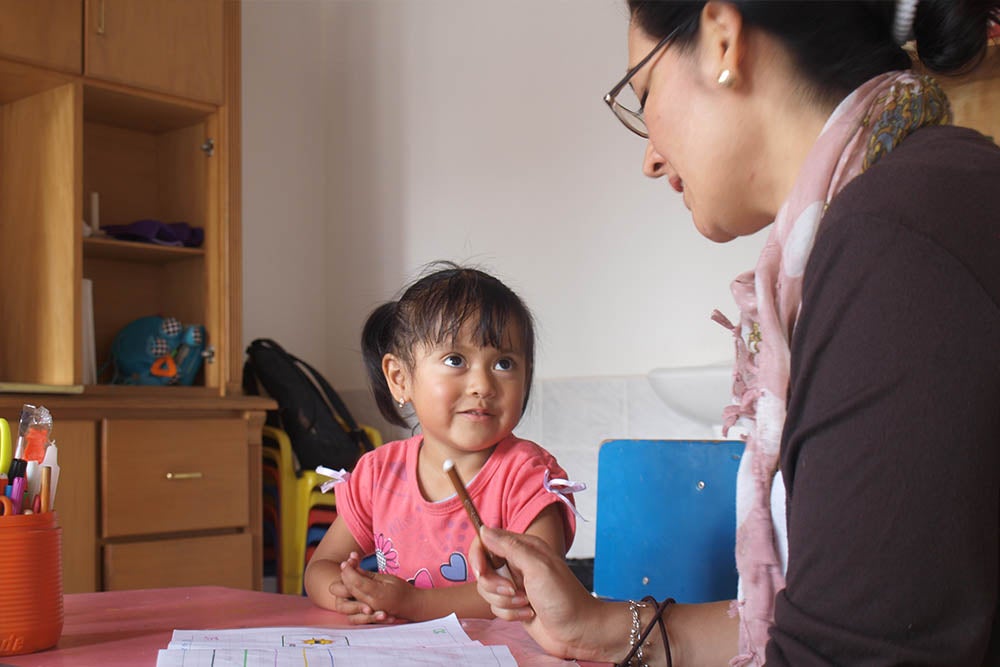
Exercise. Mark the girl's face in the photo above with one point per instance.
(700, 137)
(466, 397)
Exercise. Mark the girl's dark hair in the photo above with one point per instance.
(433, 310)
(840, 44)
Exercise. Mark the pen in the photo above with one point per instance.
(498, 564)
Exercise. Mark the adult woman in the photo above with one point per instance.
(867, 362)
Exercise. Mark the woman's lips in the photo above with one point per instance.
(676, 183)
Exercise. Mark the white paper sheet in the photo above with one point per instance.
(441, 642)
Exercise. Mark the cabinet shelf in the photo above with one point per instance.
(154, 394)
(135, 251)
(144, 111)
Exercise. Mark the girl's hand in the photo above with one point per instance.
(376, 598)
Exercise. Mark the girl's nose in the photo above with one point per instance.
(653, 163)
(481, 382)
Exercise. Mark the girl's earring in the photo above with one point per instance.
(401, 402)
(726, 78)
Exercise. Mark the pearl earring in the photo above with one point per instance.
(726, 78)
(401, 402)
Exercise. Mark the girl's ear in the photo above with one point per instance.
(396, 377)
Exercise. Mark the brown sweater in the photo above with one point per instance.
(891, 447)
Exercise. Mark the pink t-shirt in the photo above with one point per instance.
(426, 542)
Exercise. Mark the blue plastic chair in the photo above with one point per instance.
(666, 519)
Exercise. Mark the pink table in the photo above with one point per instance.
(127, 628)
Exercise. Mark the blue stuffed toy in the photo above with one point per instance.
(157, 351)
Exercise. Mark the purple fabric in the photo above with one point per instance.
(160, 233)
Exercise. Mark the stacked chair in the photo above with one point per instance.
(296, 512)
(666, 519)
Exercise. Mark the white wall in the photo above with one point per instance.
(380, 135)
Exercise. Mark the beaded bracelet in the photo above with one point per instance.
(637, 639)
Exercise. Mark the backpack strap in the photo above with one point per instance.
(334, 402)
(332, 399)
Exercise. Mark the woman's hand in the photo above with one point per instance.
(546, 596)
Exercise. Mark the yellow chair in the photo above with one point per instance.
(298, 493)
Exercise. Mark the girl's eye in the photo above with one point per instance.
(454, 360)
(504, 365)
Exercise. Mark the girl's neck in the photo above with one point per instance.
(431, 478)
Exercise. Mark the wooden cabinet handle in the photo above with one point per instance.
(100, 18)
(184, 475)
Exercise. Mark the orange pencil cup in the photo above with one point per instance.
(31, 607)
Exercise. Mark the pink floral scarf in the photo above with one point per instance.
(866, 125)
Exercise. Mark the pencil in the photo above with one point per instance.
(449, 467)
(46, 491)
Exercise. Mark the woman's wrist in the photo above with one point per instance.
(607, 630)
(648, 641)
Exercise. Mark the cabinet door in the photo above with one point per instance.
(169, 46)
(42, 32)
(40, 207)
(76, 503)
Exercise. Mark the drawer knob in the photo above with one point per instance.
(184, 475)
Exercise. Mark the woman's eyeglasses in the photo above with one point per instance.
(633, 120)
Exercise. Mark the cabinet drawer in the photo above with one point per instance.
(215, 560)
(163, 476)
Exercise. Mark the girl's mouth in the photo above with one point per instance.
(676, 183)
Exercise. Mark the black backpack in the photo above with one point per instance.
(308, 407)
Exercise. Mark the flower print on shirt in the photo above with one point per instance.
(385, 555)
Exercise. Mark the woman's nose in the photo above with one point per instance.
(653, 163)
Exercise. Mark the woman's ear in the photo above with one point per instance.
(396, 377)
(723, 41)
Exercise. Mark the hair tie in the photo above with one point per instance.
(902, 25)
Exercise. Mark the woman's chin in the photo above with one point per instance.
(713, 233)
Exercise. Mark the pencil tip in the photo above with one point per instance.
(448, 465)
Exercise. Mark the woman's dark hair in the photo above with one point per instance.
(433, 310)
(840, 44)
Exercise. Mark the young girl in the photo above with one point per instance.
(458, 346)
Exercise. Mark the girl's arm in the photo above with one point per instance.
(323, 579)
(397, 598)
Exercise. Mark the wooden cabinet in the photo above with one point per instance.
(169, 46)
(65, 136)
(156, 493)
(165, 477)
(148, 118)
(42, 32)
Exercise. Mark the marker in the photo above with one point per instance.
(499, 564)
(17, 495)
(6, 446)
